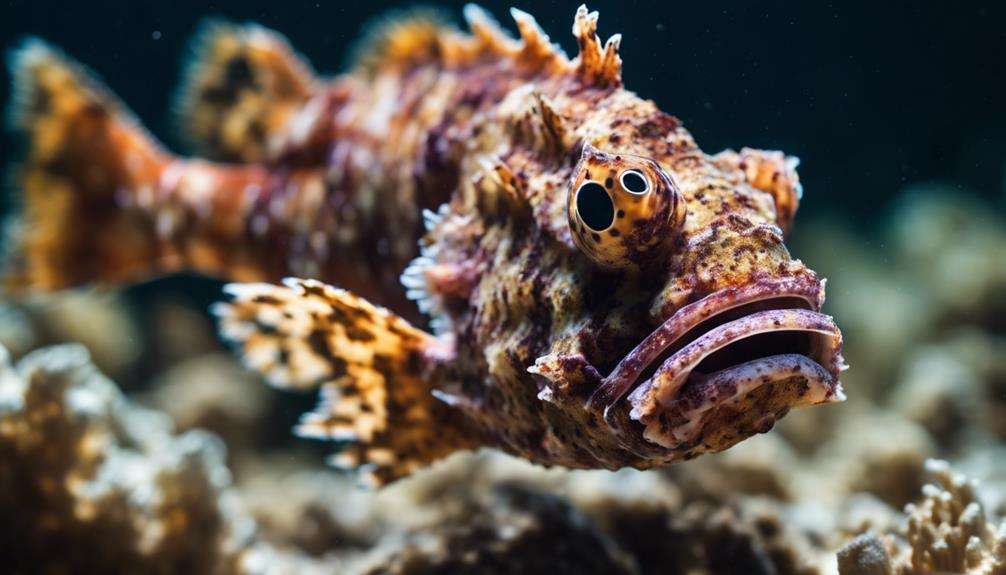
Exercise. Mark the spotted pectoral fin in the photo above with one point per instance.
(244, 82)
(374, 369)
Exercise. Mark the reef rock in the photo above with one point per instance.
(90, 483)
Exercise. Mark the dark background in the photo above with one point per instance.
(871, 96)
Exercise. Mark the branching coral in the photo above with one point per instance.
(947, 532)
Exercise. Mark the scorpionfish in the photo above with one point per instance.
(572, 280)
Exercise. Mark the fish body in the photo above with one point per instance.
(601, 293)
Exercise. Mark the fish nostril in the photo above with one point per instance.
(595, 206)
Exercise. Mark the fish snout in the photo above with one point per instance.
(730, 363)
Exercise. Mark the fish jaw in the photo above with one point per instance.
(673, 404)
(724, 351)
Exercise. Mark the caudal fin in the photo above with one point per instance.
(373, 368)
(242, 85)
(82, 150)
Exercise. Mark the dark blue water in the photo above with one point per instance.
(871, 95)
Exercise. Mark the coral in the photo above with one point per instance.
(101, 322)
(956, 248)
(864, 555)
(212, 392)
(876, 452)
(516, 531)
(947, 532)
(91, 483)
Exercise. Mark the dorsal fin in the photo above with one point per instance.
(244, 82)
(597, 65)
(487, 32)
(536, 50)
(404, 39)
(534, 121)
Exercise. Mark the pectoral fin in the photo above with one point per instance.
(374, 369)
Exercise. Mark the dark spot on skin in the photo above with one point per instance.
(614, 232)
(238, 74)
(267, 299)
(596, 236)
(621, 213)
(609, 183)
(265, 328)
(382, 364)
(358, 333)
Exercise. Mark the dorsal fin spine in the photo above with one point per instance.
(600, 66)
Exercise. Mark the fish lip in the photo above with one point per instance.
(701, 395)
(667, 391)
(627, 372)
(676, 370)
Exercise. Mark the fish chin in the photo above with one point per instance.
(797, 380)
(730, 364)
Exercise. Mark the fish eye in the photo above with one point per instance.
(634, 182)
(595, 207)
(627, 219)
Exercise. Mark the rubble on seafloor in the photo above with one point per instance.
(95, 481)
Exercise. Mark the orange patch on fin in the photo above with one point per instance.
(371, 365)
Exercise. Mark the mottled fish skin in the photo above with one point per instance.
(570, 329)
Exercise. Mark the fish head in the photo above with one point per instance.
(733, 336)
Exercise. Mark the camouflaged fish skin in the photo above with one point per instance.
(654, 318)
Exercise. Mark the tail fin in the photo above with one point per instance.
(372, 366)
(242, 85)
(82, 149)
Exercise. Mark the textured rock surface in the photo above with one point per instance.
(90, 483)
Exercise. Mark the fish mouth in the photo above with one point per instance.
(723, 347)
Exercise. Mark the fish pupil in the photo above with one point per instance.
(634, 182)
(595, 206)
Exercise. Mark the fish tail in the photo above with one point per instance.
(81, 150)
(242, 85)
(375, 371)
(101, 201)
